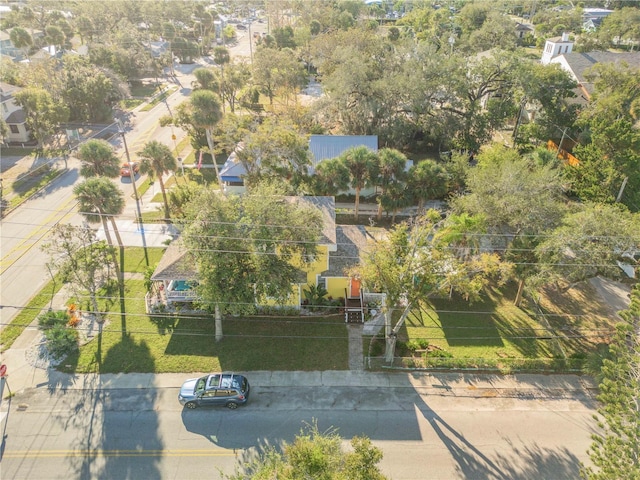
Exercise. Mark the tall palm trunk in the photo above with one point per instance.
(518, 299)
(357, 201)
(164, 197)
(116, 231)
(110, 242)
(380, 205)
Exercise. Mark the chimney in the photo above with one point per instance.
(565, 37)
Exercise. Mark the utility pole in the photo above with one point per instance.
(132, 175)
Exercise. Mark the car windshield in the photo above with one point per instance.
(200, 384)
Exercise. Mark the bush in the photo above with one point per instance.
(417, 344)
(61, 341)
(439, 354)
(52, 318)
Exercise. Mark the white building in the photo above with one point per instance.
(13, 115)
(556, 46)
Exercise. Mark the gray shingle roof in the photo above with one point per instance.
(176, 264)
(327, 208)
(17, 117)
(351, 240)
(581, 62)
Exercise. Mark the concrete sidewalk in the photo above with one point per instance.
(453, 384)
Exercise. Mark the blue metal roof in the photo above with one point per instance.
(323, 147)
(232, 170)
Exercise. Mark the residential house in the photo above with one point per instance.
(8, 49)
(556, 46)
(338, 249)
(593, 17)
(13, 115)
(322, 147)
(560, 50)
(523, 29)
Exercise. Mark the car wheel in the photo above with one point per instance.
(232, 405)
(191, 405)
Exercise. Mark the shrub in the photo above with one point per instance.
(417, 344)
(52, 318)
(61, 340)
(439, 354)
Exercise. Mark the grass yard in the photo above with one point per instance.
(36, 305)
(492, 328)
(495, 334)
(133, 341)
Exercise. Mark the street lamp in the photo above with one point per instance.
(132, 174)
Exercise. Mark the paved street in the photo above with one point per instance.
(428, 426)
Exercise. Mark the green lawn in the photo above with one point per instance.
(133, 341)
(492, 328)
(490, 334)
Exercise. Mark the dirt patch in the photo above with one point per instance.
(580, 314)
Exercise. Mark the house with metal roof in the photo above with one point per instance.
(321, 147)
(338, 250)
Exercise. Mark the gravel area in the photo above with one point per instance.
(39, 357)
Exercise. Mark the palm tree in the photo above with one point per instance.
(392, 171)
(395, 197)
(21, 39)
(206, 113)
(363, 168)
(157, 160)
(331, 176)
(428, 180)
(98, 159)
(98, 198)
(205, 79)
(222, 56)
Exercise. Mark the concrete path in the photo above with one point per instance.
(617, 295)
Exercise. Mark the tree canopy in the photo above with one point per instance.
(247, 247)
(319, 455)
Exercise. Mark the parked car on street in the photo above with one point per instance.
(226, 389)
(125, 170)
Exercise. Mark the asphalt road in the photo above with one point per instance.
(424, 433)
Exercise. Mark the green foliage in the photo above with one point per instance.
(61, 340)
(98, 159)
(511, 193)
(315, 296)
(417, 344)
(43, 113)
(615, 451)
(241, 257)
(52, 318)
(317, 455)
(587, 244)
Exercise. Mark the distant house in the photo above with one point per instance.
(560, 51)
(321, 147)
(593, 17)
(158, 49)
(8, 49)
(556, 46)
(13, 115)
(338, 249)
(523, 29)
